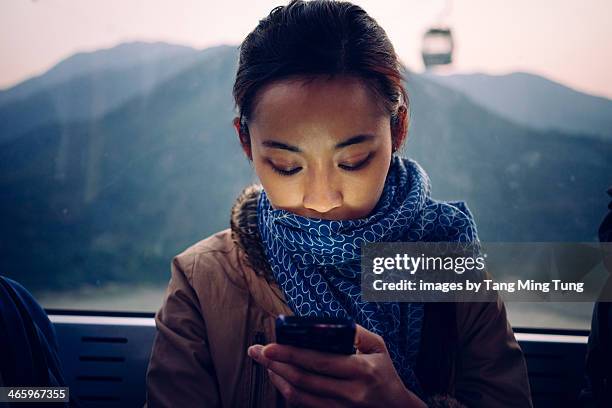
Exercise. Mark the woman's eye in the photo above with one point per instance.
(358, 165)
(285, 172)
(355, 167)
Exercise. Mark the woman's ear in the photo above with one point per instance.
(243, 136)
(399, 127)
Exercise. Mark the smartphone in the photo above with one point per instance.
(329, 334)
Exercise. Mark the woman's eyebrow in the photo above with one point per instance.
(350, 141)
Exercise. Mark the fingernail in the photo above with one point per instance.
(255, 351)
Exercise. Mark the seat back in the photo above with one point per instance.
(556, 367)
(105, 358)
(105, 361)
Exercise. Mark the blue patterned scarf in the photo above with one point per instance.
(317, 262)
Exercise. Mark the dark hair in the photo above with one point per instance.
(320, 37)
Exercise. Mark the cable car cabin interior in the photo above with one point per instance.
(115, 158)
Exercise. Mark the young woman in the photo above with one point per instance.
(322, 115)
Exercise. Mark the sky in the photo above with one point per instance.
(568, 41)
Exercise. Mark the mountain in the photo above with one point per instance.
(89, 85)
(521, 184)
(535, 101)
(113, 198)
(87, 63)
(110, 198)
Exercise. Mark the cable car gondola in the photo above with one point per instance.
(437, 47)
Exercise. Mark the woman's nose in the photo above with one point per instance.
(321, 194)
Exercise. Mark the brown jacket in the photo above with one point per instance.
(221, 299)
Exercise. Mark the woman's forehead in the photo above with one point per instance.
(318, 97)
(336, 107)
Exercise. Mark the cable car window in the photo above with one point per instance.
(117, 149)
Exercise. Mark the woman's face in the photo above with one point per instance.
(321, 149)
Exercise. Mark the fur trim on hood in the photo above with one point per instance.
(245, 233)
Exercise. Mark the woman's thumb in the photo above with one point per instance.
(367, 342)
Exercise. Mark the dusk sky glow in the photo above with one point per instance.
(566, 41)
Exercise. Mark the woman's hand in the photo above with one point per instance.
(309, 378)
